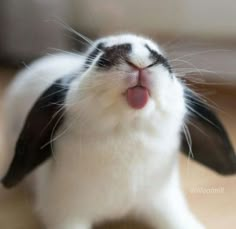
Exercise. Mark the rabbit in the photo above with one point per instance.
(100, 134)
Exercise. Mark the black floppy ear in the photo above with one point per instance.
(33, 145)
(210, 142)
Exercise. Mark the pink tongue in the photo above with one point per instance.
(137, 97)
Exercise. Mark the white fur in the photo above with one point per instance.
(109, 159)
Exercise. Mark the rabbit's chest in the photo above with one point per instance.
(114, 165)
(111, 173)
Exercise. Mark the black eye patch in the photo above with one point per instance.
(113, 55)
(158, 58)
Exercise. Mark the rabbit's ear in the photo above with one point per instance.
(34, 146)
(206, 140)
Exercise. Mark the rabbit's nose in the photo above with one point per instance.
(140, 77)
(144, 78)
(140, 67)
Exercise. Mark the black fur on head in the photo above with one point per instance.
(116, 54)
(113, 55)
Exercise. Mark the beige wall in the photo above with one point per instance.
(201, 18)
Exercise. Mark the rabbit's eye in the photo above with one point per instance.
(114, 55)
(158, 59)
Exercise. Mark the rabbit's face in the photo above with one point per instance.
(127, 77)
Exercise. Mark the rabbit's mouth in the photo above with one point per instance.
(137, 97)
(138, 91)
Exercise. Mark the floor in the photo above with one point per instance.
(216, 210)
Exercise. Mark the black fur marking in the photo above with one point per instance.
(158, 58)
(210, 142)
(93, 55)
(114, 55)
(44, 119)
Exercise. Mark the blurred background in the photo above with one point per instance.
(199, 37)
(206, 29)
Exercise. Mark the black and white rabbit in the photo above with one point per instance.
(104, 130)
